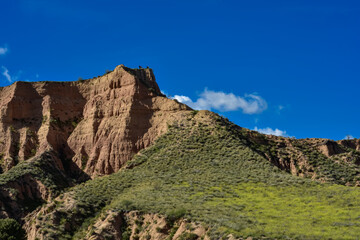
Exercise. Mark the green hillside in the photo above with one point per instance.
(205, 170)
(27, 185)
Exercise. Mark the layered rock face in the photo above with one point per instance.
(124, 113)
(98, 123)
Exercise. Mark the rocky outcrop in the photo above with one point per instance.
(330, 148)
(30, 184)
(99, 123)
(37, 117)
(351, 143)
(309, 157)
(75, 130)
(135, 225)
(124, 112)
(118, 225)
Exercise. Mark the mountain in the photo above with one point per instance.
(113, 158)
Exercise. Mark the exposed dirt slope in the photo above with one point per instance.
(30, 119)
(322, 160)
(124, 112)
(29, 184)
(75, 130)
(99, 123)
(119, 225)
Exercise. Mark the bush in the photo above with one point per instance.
(10, 229)
(126, 235)
(176, 214)
(127, 204)
(188, 236)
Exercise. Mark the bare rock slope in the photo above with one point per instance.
(98, 123)
(56, 134)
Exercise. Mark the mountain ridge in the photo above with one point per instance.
(59, 138)
(53, 110)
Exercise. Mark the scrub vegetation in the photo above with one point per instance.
(206, 170)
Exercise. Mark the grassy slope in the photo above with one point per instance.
(304, 154)
(332, 169)
(214, 175)
(42, 169)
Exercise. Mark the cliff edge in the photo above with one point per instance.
(98, 123)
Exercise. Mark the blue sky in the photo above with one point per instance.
(293, 66)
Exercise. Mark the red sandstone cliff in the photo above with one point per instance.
(98, 123)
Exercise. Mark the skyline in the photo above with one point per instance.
(290, 69)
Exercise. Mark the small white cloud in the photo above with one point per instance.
(3, 50)
(10, 78)
(183, 99)
(348, 137)
(279, 109)
(5, 73)
(249, 104)
(270, 131)
(37, 75)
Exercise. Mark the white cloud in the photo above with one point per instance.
(10, 78)
(249, 104)
(279, 109)
(183, 99)
(3, 50)
(270, 131)
(5, 73)
(348, 137)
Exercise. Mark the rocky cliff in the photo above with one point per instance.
(56, 134)
(98, 123)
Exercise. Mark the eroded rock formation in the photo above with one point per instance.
(98, 123)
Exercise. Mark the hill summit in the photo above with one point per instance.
(98, 123)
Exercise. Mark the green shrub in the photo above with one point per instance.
(175, 214)
(188, 236)
(33, 152)
(127, 204)
(126, 235)
(10, 229)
